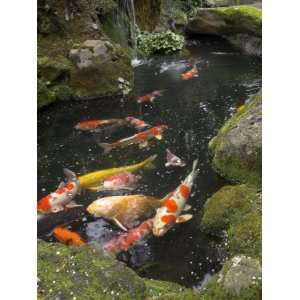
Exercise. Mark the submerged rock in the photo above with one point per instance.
(237, 148)
(241, 25)
(86, 273)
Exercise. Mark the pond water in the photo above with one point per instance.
(194, 110)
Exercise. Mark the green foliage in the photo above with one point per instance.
(160, 42)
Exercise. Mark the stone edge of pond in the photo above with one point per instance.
(241, 25)
(234, 212)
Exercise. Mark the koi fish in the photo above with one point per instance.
(126, 240)
(140, 138)
(137, 123)
(150, 97)
(62, 197)
(92, 125)
(124, 211)
(174, 203)
(125, 181)
(94, 180)
(190, 74)
(173, 160)
(67, 236)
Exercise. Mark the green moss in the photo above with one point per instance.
(245, 237)
(226, 207)
(86, 273)
(247, 19)
(231, 160)
(156, 289)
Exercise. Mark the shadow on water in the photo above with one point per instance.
(194, 110)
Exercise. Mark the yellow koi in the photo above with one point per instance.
(93, 180)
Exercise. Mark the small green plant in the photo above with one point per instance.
(160, 42)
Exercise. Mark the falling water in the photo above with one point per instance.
(128, 7)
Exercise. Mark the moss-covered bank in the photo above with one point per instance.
(240, 25)
(85, 273)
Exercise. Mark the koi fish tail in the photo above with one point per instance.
(148, 163)
(106, 147)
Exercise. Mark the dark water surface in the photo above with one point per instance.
(194, 110)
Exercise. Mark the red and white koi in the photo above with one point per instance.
(173, 160)
(170, 212)
(150, 96)
(137, 123)
(140, 138)
(62, 197)
(125, 181)
(126, 240)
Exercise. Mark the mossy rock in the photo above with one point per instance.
(86, 273)
(227, 206)
(239, 279)
(237, 149)
(245, 237)
(226, 21)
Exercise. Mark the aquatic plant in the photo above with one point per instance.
(160, 42)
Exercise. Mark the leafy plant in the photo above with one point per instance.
(160, 42)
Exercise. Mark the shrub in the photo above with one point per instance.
(160, 42)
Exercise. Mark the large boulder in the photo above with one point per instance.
(235, 210)
(86, 273)
(241, 25)
(237, 148)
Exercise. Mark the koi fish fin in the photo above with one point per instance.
(169, 155)
(184, 218)
(158, 136)
(167, 164)
(106, 147)
(72, 204)
(70, 175)
(95, 188)
(57, 208)
(119, 224)
(61, 184)
(144, 144)
(187, 207)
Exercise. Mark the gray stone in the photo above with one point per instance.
(243, 272)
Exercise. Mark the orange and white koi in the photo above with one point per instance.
(150, 96)
(173, 160)
(190, 74)
(67, 236)
(174, 203)
(125, 180)
(126, 240)
(92, 125)
(140, 138)
(137, 123)
(62, 197)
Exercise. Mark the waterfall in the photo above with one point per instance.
(128, 7)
